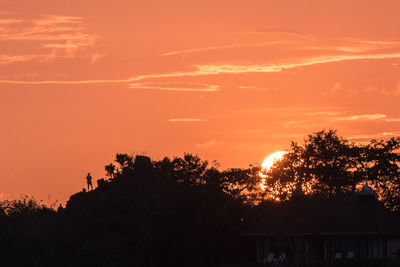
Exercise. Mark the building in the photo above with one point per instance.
(344, 227)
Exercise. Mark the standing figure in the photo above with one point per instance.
(89, 181)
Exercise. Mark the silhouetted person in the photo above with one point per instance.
(89, 181)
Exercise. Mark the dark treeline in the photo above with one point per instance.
(329, 165)
(185, 211)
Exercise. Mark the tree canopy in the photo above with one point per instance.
(328, 164)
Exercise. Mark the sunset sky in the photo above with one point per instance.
(230, 80)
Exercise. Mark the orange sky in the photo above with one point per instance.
(229, 80)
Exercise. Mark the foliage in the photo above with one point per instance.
(327, 164)
(23, 206)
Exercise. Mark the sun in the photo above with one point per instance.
(267, 164)
(271, 159)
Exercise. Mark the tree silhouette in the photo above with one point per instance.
(110, 169)
(327, 164)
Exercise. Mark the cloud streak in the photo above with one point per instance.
(392, 120)
(57, 19)
(362, 117)
(10, 21)
(237, 69)
(350, 45)
(206, 70)
(255, 88)
(9, 59)
(178, 87)
(207, 145)
(365, 137)
(186, 120)
(45, 34)
(211, 48)
(276, 30)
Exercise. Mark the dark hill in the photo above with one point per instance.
(143, 217)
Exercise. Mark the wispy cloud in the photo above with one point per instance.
(392, 120)
(255, 88)
(350, 45)
(297, 123)
(287, 135)
(57, 19)
(186, 120)
(46, 28)
(362, 117)
(353, 45)
(275, 30)
(391, 134)
(309, 111)
(368, 117)
(338, 87)
(95, 57)
(351, 49)
(175, 86)
(247, 87)
(10, 21)
(9, 59)
(375, 43)
(207, 145)
(219, 47)
(367, 137)
(205, 70)
(394, 91)
(60, 82)
(251, 132)
(228, 68)
(322, 113)
(201, 70)
(46, 34)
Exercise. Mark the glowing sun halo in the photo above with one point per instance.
(270, 160)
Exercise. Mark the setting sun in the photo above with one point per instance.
(271, 159)
(267, 164)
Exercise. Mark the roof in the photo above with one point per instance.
(344, 215)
